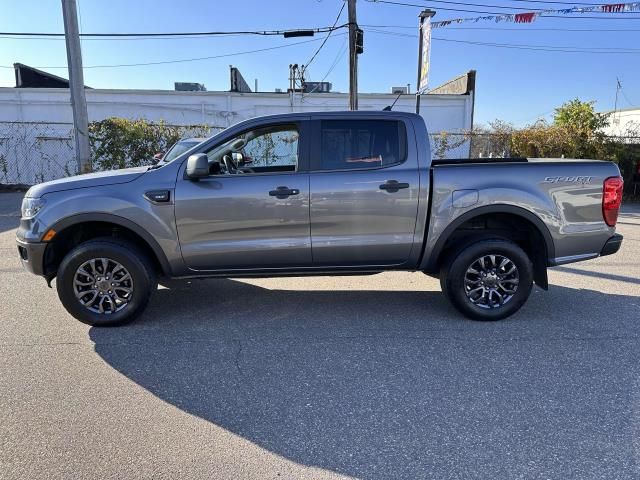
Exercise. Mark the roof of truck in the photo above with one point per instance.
(339, 114)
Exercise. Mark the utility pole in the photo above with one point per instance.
(615, 108)
(76, 84)
(353, 56)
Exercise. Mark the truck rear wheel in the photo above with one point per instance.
(105, 282)
(487, 280)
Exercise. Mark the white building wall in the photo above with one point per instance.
(450, 113)
(624, 122)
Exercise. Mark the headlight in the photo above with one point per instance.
(31, 207)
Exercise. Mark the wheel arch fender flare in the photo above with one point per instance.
(430, 263)
(80, 218)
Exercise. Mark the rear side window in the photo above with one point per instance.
(355, 144)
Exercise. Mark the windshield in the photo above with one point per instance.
(178, 149)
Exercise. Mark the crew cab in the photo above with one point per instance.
(330, 193)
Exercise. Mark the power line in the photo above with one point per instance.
(548, 48)
(410, 27)
(121, 39)
(626, 98)
(502, 13)
(465, 4)
(184, 60)
(559, 3)
(304, 68)
(341, 51)
(516, 29)
(337, 59)
(175, 34)
(439, 8)
(503, 7)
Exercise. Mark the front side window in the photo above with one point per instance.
(352, 144)
(264, 150)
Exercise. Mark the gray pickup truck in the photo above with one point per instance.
(318, 194)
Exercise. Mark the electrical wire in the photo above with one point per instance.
(389, 2)
(546, 48)
(184, 60)
(465, 4)
(625, 97)
(502, 13)
(176, 34)
(503, 7)
(549, 48)
(313, 57)
(341, 51)
(559, 3)
(119, 39)
(516, 29)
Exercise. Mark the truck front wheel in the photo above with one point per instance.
(487, 280)
(105, 282)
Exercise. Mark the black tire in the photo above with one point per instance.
(137, 264)
(452, 280)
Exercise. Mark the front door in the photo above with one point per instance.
(252, 213)
(364, 193)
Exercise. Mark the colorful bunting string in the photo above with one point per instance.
(530, 17)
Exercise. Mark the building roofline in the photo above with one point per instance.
(630, 109)
(380, 95)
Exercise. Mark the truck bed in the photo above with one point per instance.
(468, 161)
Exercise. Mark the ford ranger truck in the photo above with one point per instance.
(318, 194)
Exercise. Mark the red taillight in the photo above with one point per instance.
(611, 199)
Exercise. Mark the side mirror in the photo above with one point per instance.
(197, 166)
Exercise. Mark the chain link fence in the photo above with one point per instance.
(35, 152)
(31, 153)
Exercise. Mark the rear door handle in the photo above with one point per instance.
(284, 192)
(392, 186)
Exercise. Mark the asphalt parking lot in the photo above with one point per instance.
(332, 377)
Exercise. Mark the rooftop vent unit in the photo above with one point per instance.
(189, 87)
(399, 90)
(317, 87)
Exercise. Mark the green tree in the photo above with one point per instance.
(579, 116)
(577, 131)
(583, 128)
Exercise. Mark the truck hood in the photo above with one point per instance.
(111, 177)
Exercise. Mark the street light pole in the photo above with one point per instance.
(76, 85)
(353, 56)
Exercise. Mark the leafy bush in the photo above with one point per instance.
(120, 142)
(577, 131)
(445, 141)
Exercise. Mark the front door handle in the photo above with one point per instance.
(284, 192)
(392, 186)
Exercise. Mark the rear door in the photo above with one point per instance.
(364, 192)
(252, 212)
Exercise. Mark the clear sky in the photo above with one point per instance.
(513, 84)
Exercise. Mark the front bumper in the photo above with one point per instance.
(32, 256)
(612, 245)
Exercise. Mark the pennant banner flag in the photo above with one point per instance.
(425, 53)
(530, 17)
